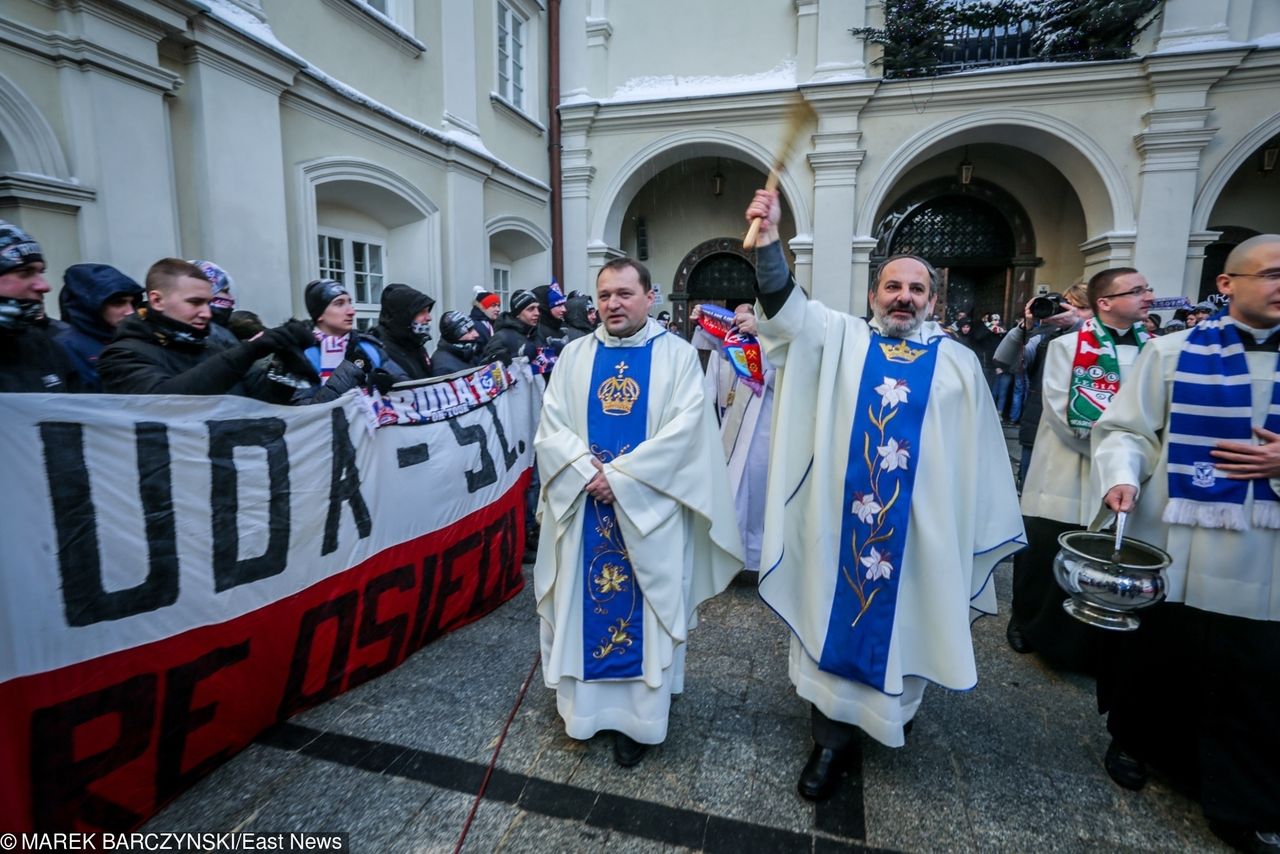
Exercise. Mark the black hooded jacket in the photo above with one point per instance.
(576, 323)
(450, 358)
(86, 289)
(152, 354)
(400, 304)
(512, 337)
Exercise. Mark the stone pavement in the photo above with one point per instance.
(1014, 765)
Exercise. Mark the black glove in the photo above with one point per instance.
(382, 380)
(292, 335)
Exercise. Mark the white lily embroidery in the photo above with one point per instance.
(895, 455)
(892, 392)
(877, 565)
(865, 507)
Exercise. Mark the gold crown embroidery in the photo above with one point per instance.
(901, 352)
(618, 394)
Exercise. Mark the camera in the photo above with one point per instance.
(1046, 306)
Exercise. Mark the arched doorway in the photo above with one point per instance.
(978, 237)
(716, 271)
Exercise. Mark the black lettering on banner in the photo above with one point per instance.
(392, 630)
(495, 561)
(178, 720)
(422, 629)
(451, 580)
(85, 600)
(229, 570)
(509, 455)
(411, 455)
(344, 485)
(60, 796)
(487, 474)
(343, 612)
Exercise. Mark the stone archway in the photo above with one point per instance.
(716, 270)
(977, 235)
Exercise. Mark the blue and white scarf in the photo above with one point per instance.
(1213, 402)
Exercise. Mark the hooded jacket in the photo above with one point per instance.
(400, 304)
(86, 289)
(576, 323)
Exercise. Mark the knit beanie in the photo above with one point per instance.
(319, 294)
(487, 299)
(520, 300)
(17, 248)
(223, 295)
(555, 296)
(454, 325)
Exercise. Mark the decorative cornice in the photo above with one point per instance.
(62, 50)
(1191, 71)
(806, 7)
(372, 21)
(599, 31)
(44, 191)
(836, 168)
(576, 180)
(1110, 241)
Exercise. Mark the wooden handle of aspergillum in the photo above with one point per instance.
(753, 233)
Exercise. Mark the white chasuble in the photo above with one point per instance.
(963, 517)
(674, 512)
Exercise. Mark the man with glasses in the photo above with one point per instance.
(1196, 428)
(1082, 372)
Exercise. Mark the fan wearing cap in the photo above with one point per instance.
(165, 348)
(551, 305)
(95, 299)
(222, 304)
(29, 358)
(342, 357)
(404, 328)
(484, 312)
(460, 349)
(516, 332)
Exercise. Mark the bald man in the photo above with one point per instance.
(1190, 448)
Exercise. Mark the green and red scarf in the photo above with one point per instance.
(1095, 375)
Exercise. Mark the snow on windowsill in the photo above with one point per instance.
(364, 7)
(510, 108)
(669, 86)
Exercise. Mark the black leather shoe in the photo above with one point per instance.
(627, 751)
(1246, 839)
(1018, 643)
(1127, 771)
(821, 774)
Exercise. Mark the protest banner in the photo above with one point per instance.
(180, 573)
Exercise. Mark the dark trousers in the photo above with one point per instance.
(1197, 695)
(834, 735)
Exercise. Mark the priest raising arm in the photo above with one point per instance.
(638, 525)
(1190, 448)
(890, 501)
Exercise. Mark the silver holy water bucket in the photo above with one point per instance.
(1105, 593)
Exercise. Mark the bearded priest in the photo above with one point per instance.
(638, 525)
(877, 571)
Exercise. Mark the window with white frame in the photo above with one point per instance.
(512, 28)
(357, 261)
(502, 283)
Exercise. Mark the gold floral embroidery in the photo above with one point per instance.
(610, 580)
(617, 640)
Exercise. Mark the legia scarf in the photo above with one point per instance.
(1095, 375)
(1213, 402)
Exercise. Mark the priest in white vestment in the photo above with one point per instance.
(1190, 448)
(877, 571)
(637, 520)
(1083, 370)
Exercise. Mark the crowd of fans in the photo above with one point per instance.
(179, 333)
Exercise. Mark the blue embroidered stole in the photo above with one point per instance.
(884, 453)
(612, 606)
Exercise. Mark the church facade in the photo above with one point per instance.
(410, 140)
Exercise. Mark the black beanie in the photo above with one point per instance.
(319, 294)
(520, 300)
(454, 325)
(401, 304)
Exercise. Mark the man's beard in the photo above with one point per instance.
(892, 327)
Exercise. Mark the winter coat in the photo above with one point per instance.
(400, 305)
(483, 325)
(364, 355)
(151, 354)
(576, 323)
(31, 361)
(87, 288)
(450, 358)
(512, 337)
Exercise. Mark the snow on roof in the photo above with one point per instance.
(245, 22)
(665, 86)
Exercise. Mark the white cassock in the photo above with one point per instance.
(1057, 484)
(676, 516)
(964, 515)
(745, 422)
(1227, 572)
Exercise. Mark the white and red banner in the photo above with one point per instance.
(179, 573)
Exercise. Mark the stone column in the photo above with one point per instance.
(839, 54)
(575, 183)
(863, 247)
(802, 248)
(458, 60)
(1184, 22)
(466, 241)
(599, 31)
(574, 84)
